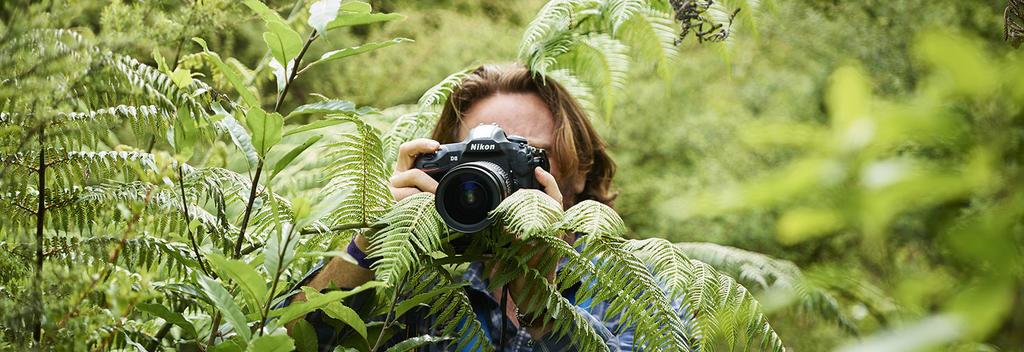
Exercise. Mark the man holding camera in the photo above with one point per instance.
(522, 104)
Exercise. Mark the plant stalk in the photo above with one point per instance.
(188, 221)
(37, 331)
(259, 167)
(248, 210)
(391, 311)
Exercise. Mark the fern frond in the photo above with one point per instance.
(541, 297)
(439, 92)
(413, 228)
(769, 273)
(579, 90)
(595, 219)
(159, 88)
(618, 277)
(602, 61)
(617, 12)
(719, 314)
(555, 16)
(650, 34)
(544, 54)
(529, 213)
(454, 312)
(406, 128)
(358, 172)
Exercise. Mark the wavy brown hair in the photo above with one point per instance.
(576, 143)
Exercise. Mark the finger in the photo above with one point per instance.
(408, 151)
(414, 178)
(404, 192)
(550, 185)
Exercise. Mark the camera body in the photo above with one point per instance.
(476, 174)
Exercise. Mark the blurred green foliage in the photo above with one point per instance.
(876, 144)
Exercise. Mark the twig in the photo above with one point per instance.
(188, 221)
(37, 333)
(248, 211)
(394, 302)
(360, 225)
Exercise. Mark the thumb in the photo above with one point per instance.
(550, 185)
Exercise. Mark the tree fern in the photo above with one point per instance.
(406, 128)
(755, 269)
(437, 94)
(720, 316)
(452, 309)
(358, 174)
(413, 229)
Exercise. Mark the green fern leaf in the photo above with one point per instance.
(413, 228)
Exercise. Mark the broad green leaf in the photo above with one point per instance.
(272, 343)
(314, 125)
(305, 336)
(265, 12)
(416, 300)
(168, 315)
(287, 158)
(242, 140)
(252, 282)
(181, 77)
(353, 19)
(232, 75)
(161, 63)
(355, 50)
(316, 300)
(227, 306)
(280, 250)
(339, 311)
(184, 133)
(322, 13)
(226, 346)
(284, 43)
(266, 129)
(356, 6)
(326, 107)
(416, 342)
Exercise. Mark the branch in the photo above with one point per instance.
(359, 225)
(259, 167)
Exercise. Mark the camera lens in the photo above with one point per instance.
(467, 193)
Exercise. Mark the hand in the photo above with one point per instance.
(406, 181)
(518, 284)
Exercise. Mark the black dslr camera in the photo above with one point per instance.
(476, 174)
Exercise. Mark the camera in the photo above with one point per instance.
(478, 173)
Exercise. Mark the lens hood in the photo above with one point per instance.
(466, 195)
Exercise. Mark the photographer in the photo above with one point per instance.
(543, 112)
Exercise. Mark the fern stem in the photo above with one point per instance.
(248, 210)
(188, 221)
(352, 226)
(391, 311)
(37, 332)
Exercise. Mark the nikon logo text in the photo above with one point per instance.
(481, 147)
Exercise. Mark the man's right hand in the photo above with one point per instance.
(406, 180)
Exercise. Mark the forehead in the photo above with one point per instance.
(523, 114)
